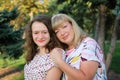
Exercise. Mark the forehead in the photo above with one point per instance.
(39, 26)
(62, 24)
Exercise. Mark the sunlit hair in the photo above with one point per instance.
(30, 47)
(58, 19)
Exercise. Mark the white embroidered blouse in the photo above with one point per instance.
(37, 68)
(86, 51)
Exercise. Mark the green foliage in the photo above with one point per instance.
(115, 64)
(15, 63)
(20, 77)
(27, 9)
(85, 13)
(95, 3)
(10, 39)
(78, 9)
(116, 11)
(6, 16)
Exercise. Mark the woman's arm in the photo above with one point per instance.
(54, 74)
(86, 72)
(87, 69)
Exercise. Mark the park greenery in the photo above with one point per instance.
(99, 18)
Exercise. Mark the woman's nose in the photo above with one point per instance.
(62, 32)
(40, 35)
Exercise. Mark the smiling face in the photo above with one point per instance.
(65, 33)
(40, 34)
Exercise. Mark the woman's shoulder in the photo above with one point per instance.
(89, 40)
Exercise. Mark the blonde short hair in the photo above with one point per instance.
(58, 19)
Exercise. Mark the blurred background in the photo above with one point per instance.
(99, 18)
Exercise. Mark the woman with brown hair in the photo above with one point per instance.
(40, 40)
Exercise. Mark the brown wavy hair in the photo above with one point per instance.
(30, 47)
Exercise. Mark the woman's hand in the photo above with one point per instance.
(56, 55)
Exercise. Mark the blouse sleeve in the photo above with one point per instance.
(49, 63)
(90, 51)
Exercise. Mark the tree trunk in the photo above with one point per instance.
(101, 36)
(112, 44)
(97, 28)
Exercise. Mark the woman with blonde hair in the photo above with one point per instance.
(84, 57)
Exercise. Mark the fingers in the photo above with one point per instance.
(57, 50)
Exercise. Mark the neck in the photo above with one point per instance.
(71, 47)
(42, 51)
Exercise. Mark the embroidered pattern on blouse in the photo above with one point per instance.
(36, 69)
(88, 50)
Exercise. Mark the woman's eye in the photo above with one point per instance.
(56, 31)
(45, 32)
(35, 33)
(65, 26)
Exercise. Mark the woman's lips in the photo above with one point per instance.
(65, 37)
(41, 40)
